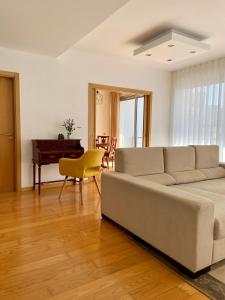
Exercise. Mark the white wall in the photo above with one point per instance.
(103, 115)
(54, 89)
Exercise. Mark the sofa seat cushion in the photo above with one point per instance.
(213, 190)
(216, 186)
(188, 176)
(139, 161)
(161, 178)
(213, 173)
(179, 159)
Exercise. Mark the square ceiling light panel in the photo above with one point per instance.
(171, 47)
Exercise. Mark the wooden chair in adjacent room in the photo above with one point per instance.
(102, 141)
(110, 152)
(88, 165)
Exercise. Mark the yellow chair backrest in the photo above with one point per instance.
(87, 165)
(91, 162)
(92, 158)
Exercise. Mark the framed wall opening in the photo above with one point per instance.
(93, 88)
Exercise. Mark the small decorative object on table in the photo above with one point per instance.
(60, 136)
(70, 127)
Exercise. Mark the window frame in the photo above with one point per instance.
(135, 117)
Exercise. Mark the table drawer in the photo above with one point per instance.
(50, 157)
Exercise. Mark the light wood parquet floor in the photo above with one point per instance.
(61, 250)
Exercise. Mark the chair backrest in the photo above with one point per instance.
(102, 139)
(113, 145)
(113, 142)
(93, 158)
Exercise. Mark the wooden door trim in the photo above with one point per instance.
(92, 107)
(16, 119)
(118, 89)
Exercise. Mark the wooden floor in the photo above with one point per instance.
(60, 250)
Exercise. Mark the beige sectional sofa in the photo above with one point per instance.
(173, 198)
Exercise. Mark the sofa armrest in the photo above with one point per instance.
(176, 222)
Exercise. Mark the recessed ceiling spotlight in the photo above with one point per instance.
(148, 54)
(170, 59)
(193, 52)
(171, 45)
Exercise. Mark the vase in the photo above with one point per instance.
(68, 136)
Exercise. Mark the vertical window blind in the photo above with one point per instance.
(198, 105)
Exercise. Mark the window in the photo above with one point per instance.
(131, 122)
(199, 105)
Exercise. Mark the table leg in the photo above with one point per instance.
(39, 180)
(34, 175)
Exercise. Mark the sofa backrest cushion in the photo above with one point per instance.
(207, 156)
(139, 161)
(178, 159)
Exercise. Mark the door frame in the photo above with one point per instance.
(16, 118)
(92, 87)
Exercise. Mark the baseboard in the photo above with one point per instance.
(43, 186)
(50, 185)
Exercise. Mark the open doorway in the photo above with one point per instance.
(120, 113)
(130, 115)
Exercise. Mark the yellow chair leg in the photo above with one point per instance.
(64, 183)
(81, 190)
(99, 201)
(97, 185)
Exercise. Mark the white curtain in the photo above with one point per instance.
(198, 105)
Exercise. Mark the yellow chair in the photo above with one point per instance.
(88, 165)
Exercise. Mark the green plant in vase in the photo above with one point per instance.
(70, 127)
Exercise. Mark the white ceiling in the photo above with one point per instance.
(139, 20)
(115, 27)
(50, 26)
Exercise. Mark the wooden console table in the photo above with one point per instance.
(47, 152)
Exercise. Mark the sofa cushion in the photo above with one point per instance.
(214, 190)
(207, 156)
(179, 159)
(139, 161)
(188, 176)
(161, 178)
(213, 173)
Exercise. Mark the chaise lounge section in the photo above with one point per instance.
(172, 198)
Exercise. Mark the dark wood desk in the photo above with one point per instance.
(47, 152)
